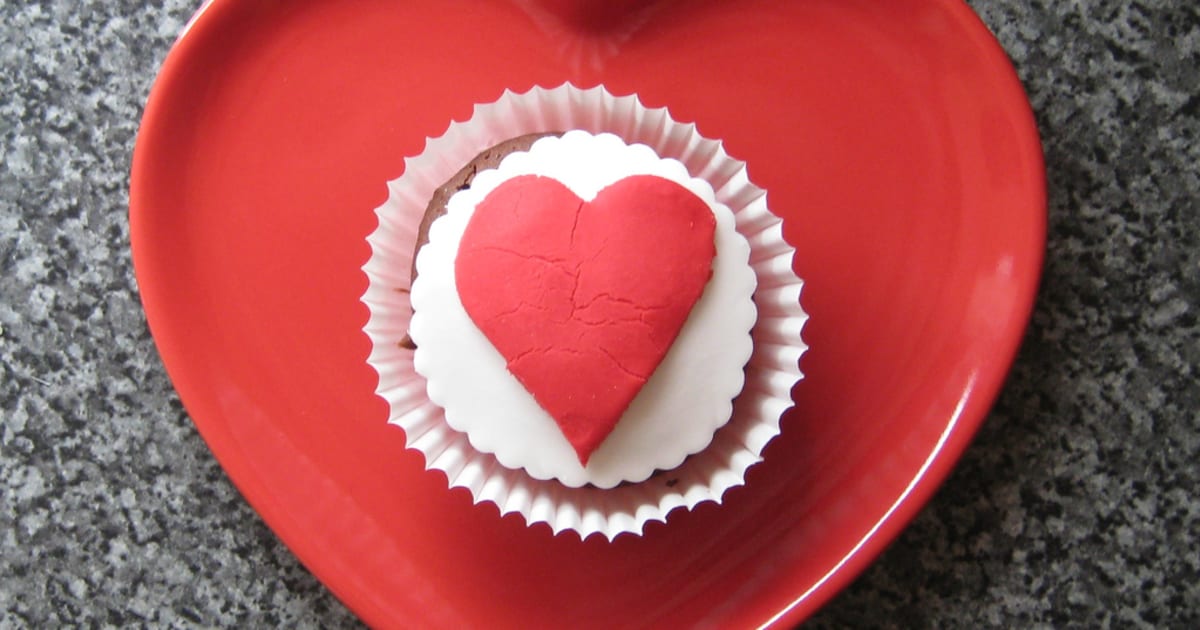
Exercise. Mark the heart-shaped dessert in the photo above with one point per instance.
(582, 311)
(584, 298)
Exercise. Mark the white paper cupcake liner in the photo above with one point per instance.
(770, 374)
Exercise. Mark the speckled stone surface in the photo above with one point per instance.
(1077, 506)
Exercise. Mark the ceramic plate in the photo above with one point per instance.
(892, 137)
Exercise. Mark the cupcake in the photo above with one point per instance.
(583, 311)
(588, 350)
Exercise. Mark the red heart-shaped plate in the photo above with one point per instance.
(893, 137)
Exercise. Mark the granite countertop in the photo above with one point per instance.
(1077, 504)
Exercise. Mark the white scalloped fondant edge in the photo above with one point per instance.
(689, 396)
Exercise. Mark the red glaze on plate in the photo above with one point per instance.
(893, 137)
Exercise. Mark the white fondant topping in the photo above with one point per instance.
(686, 399)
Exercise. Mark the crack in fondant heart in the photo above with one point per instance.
(583, 299)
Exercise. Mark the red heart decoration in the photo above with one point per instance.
(584, 298)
